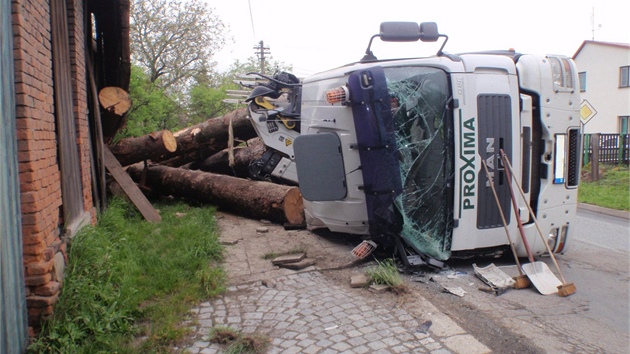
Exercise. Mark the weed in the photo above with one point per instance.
(237, 342)
(386, 273)
(223, 335)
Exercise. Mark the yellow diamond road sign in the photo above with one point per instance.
(587, 112)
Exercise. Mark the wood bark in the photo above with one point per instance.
(243, 156)
(254, 199)
(148, 147)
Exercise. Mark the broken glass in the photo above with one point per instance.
(424, 137)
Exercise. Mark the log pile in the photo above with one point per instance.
(201, 163)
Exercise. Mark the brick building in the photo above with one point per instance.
(62, 53)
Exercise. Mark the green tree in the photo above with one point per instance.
(174, 40)
(152, 108)
(210, 89)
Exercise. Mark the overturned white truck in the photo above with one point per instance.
(392, 149)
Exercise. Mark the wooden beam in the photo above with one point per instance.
(130, 187)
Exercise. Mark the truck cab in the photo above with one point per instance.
(392, 149)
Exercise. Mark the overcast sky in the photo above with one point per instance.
(314, 36)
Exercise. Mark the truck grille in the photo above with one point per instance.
(573, 168)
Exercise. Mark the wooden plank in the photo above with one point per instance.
(130, 188)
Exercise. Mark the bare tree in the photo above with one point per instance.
(174, 40)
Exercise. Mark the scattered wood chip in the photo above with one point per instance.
(379, 288)
(229, 242)
(179, 215)
(270, 283)
(307, 262)
(359, 281)
(288, 258)
(262, 230)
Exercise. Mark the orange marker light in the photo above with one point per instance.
(338, 95)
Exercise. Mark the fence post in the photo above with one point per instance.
(621, 144)
(595, 157)
(585, 148)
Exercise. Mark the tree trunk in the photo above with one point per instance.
(212, 133)
(148, 147)
(243, 156)
(254, 199)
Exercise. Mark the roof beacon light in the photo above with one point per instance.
(338, 95)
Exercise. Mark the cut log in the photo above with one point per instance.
(116, 103)
(149, 147)
(243, 156)
(114, 99)
(213, 133)
(254, 199)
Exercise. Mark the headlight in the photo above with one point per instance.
(562, 72)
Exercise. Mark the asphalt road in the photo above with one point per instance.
(594, 319)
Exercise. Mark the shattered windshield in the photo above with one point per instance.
(424, 136)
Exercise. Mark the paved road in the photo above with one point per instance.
(594, 319)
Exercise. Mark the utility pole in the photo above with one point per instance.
(261, 50)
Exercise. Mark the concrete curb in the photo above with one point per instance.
(611, 212)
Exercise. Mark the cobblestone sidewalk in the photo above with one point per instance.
(309, 312)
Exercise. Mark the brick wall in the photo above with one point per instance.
(39, 171)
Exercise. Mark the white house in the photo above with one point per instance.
(604, 70)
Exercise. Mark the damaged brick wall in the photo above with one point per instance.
(39, 169)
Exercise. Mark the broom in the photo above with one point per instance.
(521, 281)
(565, 289)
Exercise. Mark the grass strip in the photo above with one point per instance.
(128, 279)
(611, 191)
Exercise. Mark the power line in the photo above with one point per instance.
(251, 17)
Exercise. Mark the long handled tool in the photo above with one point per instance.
(521, 281)
(565, 289)
(538, 272)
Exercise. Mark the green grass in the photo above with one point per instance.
(611, 191)
(386, 273)
(128, 279)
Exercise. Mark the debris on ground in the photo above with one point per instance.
(270, 283)
(306, 262)
(359, 281)
(378, 288)
(288, 258)
(424, 327)
(494, 277)
(454, 290)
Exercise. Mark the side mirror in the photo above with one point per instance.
(429, 32)
(399, 32)
(405, 32)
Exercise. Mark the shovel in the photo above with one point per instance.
(520, 281)
(538, 272)
(565, 289)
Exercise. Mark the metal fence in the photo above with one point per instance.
(611, 148)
